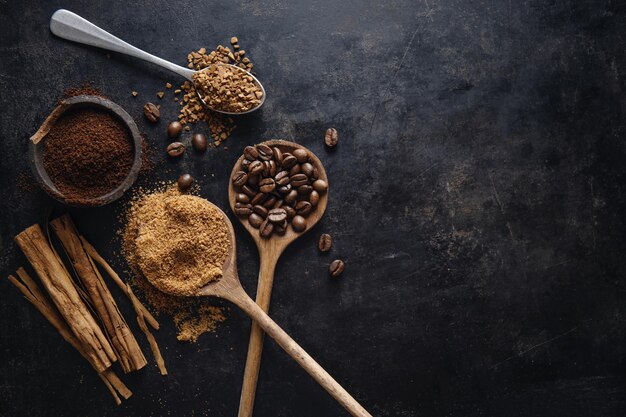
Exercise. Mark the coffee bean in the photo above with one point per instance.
(290, 212)
(267, 185)
(296, 169)
(266, 229)
(250, 153)
(284, 189)
(280, 228)
(303, 208)
(305, 189)
(325, 243)
(277, 215)
(298, 223)
(243, 209)
(278, 204)
(255, 220)
(298, 180)
(282, 178)
(291, 197)
(174, 129)
(253, 180)
(245, 164)
(248, 191)
(331, 138)
(307, 169)
(256, 167)
(184, 182)
(198, 141)
(314, 198)
(320, 186)
(273, 168)
(258, 198)
(242, 198)
(278, 155)
(288, 161)
(315, 174)
(301, 154)
(175, 149)
(260, 210)
(240, 178)
(265, 152)
(336, 268)
(151, 112)
(269, 203)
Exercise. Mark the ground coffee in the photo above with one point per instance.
(87, 154)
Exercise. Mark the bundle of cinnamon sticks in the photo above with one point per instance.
(82, 308)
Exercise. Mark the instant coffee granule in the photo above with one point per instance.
(87, 154)
(228, 88)
(178, 243)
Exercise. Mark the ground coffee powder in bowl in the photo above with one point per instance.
(87, 152)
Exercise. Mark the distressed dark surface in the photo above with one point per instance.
(477, 198)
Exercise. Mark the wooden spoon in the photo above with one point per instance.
(269, 252)
(229, 288)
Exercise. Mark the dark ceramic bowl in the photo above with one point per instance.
(37, 140)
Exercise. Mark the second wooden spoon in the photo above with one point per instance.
(270, 250)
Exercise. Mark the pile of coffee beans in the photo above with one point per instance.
(276, 189)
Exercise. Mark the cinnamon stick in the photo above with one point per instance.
(32, 293)
(124, 343)
(71, 307)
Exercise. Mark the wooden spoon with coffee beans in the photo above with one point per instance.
(291, 164)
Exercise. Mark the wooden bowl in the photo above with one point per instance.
(36, 150)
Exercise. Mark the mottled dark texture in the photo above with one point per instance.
(477, 197)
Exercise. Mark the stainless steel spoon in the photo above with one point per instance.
(70, 26)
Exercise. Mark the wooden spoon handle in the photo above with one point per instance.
(255, 346)
(318, 373)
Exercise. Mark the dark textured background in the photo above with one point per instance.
(477, 199)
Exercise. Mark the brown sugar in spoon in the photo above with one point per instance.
(229, 288)
(270, 250)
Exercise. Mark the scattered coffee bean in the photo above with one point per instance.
(288, 161)
(256, 167)
(175, 149)
(152, 112)
(258, 198)
(298, 180)
(298, 223)
(240, 178)
(331, 138)
(278, 155)
(314, 198)
(248, 191)
(280, 228)
(184, 182)
(325, 243)
(199, 142)
(307, 169)
(260, 210)
(278, 204)
(336, 268)
(242, 198)
(266, 228)
(267, 185)
(285, 189)
(296, 169)
(174, 129)
(320, 186)
(243, 209)
(305, 189)
(277, 215)
(291, 197)
(291, 212)
(265, 152)
(269, 203)
(301, 155)
(255, 220)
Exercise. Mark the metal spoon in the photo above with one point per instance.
(70, 26)
(269, 252)
(229, 288)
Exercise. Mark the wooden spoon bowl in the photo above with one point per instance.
(270, 250)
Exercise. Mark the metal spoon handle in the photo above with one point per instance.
(70, 26)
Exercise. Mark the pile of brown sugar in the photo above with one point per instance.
(228, 88)
(87, 154)
(176, 243)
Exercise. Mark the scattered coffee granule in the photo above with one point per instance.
(87, 154)
(160, 94)
(134, 93)
(192, 316)
(228, 88)
(192, 110)
(168, 85)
